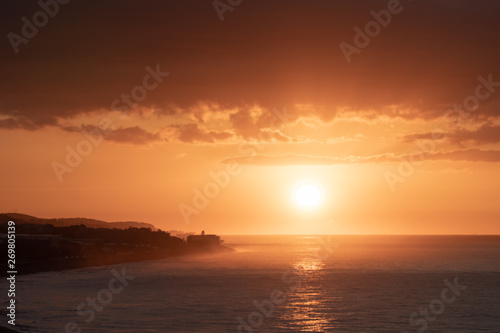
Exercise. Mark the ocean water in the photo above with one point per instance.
(280, 284)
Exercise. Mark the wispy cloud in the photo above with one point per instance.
(134, 135)
(472, 155)
(483, 135)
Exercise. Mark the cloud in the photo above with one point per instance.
(26, 123)
(246, 123)
(472, 155)
(133, 135)
(485, 134)
(336, 140)
(192, 133)
(129, 135)
(261, 124)
(291, 57)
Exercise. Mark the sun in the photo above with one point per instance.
(308, 196)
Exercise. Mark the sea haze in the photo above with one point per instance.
(283, 284)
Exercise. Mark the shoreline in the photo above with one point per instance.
(62, 264)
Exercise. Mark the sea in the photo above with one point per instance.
(278, 284)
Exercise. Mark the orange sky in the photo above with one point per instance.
(402, 137)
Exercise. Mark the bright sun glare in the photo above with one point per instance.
(308, 196)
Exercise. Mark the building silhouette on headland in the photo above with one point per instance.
(204, 240)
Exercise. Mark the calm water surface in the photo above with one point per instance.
(282, 284)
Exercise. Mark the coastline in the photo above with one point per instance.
(35, 248)
(61, 264)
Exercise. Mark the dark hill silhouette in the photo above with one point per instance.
(44, 247)
(65, 222)
(57, 244)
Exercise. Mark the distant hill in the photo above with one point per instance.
(64, 222)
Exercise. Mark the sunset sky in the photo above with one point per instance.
(400, 134)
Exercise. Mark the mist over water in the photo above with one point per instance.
(284, 284)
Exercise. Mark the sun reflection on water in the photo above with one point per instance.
(309, 306)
